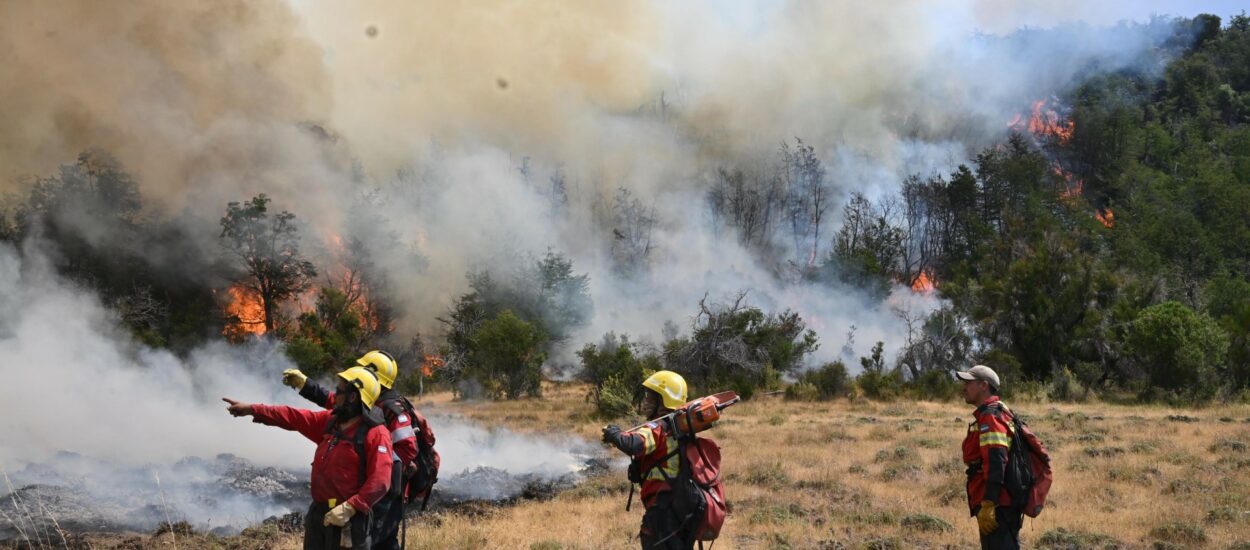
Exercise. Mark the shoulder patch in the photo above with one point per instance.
(382, 449)
(985, 428)
(403, 418)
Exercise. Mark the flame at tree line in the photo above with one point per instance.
(923, 283)
(1047, 125)
(245, 313)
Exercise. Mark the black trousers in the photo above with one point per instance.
(388, 515)
(662, 529)
(321, 537)
(1007, 535)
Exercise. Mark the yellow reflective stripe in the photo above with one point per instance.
(671, 466)
(995, 438)
(648, 440)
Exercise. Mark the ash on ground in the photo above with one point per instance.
(223, 495)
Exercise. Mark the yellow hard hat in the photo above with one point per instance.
(671, 387)
(366, 382)
(382, 364)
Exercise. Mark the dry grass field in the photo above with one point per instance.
(884, 475)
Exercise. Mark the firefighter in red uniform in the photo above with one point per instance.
(653, 450)
(345, 484)
(985, 453)
(409, 433)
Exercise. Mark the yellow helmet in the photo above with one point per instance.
(366, 382)
(382, 364)
(671, 387)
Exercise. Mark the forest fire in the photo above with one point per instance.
(1045, 122)
(923, 283)
(245, 314)
(430, 363)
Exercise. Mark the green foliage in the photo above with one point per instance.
(615, 370)
(1180, 350)
(876, 381)
(545, 293)
(740, 348)
(328, 338)
(829, 381)
(506, 357)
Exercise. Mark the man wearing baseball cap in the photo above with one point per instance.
(985, 453)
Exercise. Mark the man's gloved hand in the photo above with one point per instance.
(986, 519)
(340, 515)
(294, 378)
(611, 433)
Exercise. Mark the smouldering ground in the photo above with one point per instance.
(887, 475)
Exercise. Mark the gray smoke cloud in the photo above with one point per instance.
(321, 105)
(415, 117)
(102, 431)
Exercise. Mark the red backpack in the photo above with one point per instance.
(702, 458)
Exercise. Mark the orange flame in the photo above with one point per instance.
(1107, 217)
(1045, 122)
(922, 284)
(429, 363)
(245, 312)
(1075, 186)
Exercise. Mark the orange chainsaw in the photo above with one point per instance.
(696, 415)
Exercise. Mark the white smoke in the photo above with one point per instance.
(124, 425)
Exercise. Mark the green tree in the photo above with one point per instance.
(506, 357)
(267, 249)
(1180, 350)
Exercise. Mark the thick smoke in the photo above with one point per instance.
(417, 117)
(109, 432)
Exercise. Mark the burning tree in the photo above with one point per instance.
(268, 249)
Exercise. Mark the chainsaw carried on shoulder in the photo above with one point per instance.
(696, 415)
(698, 491)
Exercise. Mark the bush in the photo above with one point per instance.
(740, 348)
(1063, 539)
(925, 522)
(1179, 532)
(935, 385)
(829, 381)
(506, 357)
(802, 391)
(1180, 350)
(615, 369)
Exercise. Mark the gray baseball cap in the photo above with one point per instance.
(980, 372)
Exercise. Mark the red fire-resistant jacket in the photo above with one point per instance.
(985, 452)
(336, 466)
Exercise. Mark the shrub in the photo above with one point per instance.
(1180, 350)
(1179, 532)
(506, 357)
(925, 522)
(615, 368)
(1063, 539)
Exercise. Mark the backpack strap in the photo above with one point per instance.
(362, 430)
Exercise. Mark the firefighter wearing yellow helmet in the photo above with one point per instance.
(415, 461)
(347, 479)
(655, 460)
